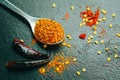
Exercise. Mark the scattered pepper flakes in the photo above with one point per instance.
(59, 69)
(54, 5)
(60, 63)
(78, 73)
(69, 36)
(42, 70)
(67, 16)
(99, 52)
(104, 11)
(113, 15)
(72, 7)
(83, 69)
(109, 59)
(118, 34)
(89, 17)
(110, 25)
(82, 36)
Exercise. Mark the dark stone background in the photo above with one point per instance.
(14, 26)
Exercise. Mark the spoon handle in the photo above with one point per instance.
(15, 9)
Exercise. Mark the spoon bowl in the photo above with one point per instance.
(32, 20)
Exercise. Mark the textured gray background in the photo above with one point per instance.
(12, 26)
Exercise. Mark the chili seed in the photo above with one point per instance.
(104, 11)
(113, 15)
(99, 52)
(78, 73)
(104, 18)
(74, 59)
(96, 42)
(108, 59)
(44, 46)
(106, 49)
(69, 37)
(118, 34)
(94, 32)
(72, 7)
(102, 41)
(115, 55)
(53, 5)
(115, 47)
(84, 69)
(110, 25)
(42, 70)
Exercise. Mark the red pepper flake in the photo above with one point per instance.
(89, 16)
(82, 36)
(34, 41)
(67, 16)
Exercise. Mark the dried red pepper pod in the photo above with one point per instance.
(28, 51)
(26, 63)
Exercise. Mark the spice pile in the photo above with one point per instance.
(59, 63)
(48, 31)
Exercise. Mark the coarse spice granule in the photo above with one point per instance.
(48, 31)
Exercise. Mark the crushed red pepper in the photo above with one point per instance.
(67, 16)
(89, 16)
(82, 36)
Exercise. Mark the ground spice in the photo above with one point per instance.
(48, 31)
(59, 63)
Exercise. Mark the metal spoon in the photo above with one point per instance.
(30, 19)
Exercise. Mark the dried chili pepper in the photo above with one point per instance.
(25, 64)
(82, 36)
(28, 51)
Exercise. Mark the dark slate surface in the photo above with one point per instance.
(13, 25)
